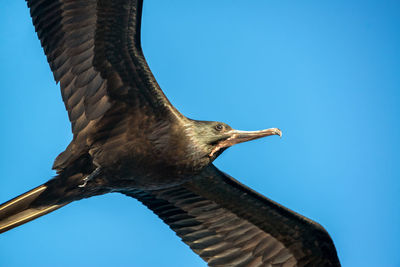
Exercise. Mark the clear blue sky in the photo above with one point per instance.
(326, 72)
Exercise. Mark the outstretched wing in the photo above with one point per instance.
(228, 224)
(93, 48)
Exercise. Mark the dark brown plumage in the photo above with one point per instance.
(128, 138)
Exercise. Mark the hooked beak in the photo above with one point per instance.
(236, 137)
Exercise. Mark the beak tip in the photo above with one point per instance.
(278, 132)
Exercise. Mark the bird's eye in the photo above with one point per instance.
(219, 127)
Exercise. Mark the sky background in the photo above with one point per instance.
(326, 72)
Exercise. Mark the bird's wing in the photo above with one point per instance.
(94, 51)
(228, 224)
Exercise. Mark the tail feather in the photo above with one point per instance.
(21, 210)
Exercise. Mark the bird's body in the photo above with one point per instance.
(128, 138)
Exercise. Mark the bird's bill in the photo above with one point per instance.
(236, 137)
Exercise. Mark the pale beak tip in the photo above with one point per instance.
(279, 132)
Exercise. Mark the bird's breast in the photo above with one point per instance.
(145, 156)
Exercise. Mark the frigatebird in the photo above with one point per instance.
(128, 138)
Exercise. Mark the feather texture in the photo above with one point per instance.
(93, 49)
(228, 224)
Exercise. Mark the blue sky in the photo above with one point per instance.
(326, 72)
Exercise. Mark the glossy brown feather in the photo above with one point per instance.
(227, 223)
(93, 48)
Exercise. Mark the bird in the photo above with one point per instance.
(128, 138)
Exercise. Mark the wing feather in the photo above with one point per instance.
(94, 51)
(228, 224)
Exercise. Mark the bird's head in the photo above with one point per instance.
(212, 138)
